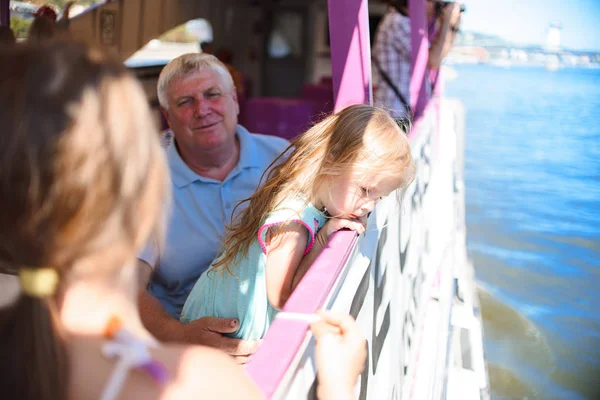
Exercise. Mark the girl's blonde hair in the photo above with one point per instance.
(361, 139)
(83, 184)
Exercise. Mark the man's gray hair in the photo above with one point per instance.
(188, 64)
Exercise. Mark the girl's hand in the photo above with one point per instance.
(340, 354)
(336, 224)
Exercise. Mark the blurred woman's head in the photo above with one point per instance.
(83, 184)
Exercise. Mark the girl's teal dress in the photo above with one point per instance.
(244, 296)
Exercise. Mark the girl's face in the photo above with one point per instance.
(349, 196)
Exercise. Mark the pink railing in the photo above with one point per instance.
(351, 76)
(285, 337)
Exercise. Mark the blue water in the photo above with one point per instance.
(532, 171)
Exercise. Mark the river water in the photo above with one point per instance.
(532, 175)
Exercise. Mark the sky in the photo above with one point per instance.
(526, 21)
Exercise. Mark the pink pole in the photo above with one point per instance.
(350, 52)
(419, 55)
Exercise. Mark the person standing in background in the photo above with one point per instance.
(392, 51)
(47, 26)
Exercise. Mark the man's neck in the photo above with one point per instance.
(215, 163)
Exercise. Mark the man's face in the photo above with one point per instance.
(202, 110)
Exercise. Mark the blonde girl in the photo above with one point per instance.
(334, 175)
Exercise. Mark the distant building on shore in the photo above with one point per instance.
(553, 36)
(478, 48)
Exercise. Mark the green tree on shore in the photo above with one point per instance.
(20, 26)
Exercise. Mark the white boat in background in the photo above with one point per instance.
(552, 62)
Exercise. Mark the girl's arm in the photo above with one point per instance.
(286, 262)
(285, 253)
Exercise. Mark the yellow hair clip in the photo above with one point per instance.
(38, 282)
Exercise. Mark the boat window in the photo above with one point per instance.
(22, 13)
(185, 38)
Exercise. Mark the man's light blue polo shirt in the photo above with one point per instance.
(201, 207)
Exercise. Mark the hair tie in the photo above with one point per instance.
(38, 282)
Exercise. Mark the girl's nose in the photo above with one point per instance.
(368, 206)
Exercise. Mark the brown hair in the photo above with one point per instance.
(83, 182)
(359, 138)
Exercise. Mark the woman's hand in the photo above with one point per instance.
(341, 351)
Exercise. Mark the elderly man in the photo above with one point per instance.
(214, 163)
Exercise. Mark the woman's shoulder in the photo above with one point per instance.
(193, 372)
(203, 372)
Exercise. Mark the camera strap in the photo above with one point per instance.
(389, 82)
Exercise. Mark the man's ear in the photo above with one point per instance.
(235, 99)
(165, 114)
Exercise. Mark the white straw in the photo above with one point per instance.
(117, 379)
